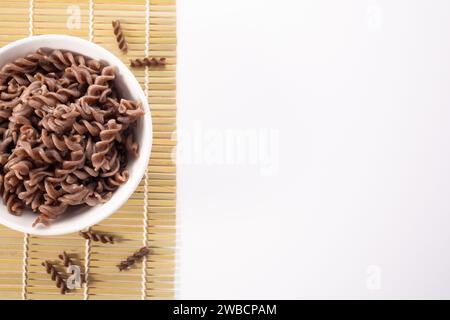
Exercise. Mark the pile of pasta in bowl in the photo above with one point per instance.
(65, 133)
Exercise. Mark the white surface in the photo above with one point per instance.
(358, 94)
(80, 218)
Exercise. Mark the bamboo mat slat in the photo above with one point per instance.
(150, 213)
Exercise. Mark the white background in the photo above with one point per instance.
(348, 196)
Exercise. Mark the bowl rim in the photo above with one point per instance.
(144, 150)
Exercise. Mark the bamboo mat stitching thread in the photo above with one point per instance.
(145, 218)
(30, 17)
(26, 236)
(24, 266)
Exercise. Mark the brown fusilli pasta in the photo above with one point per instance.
(56, 276)
(120, 37)
(95, 236)
(65, 133)
(131, 260)
(147, 61)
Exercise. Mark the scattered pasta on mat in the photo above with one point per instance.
(65, 133)
(147, 61)
(95, 236)
(136, 257)
(120, 37)
(56, 276)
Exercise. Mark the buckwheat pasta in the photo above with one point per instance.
(56, 276)
(147, 61)
(135, 257)
(120, 37)
(95, 236)
(65, 133)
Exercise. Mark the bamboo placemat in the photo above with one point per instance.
(149, 215)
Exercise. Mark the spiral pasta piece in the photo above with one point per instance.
(60, 282)
(107, 136)
(120, 37)
(147, 62)
(97, 237)
(14, 205)
(23, 65)
(134, 258)
(48, 100)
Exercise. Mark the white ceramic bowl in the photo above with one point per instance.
(129, 87)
